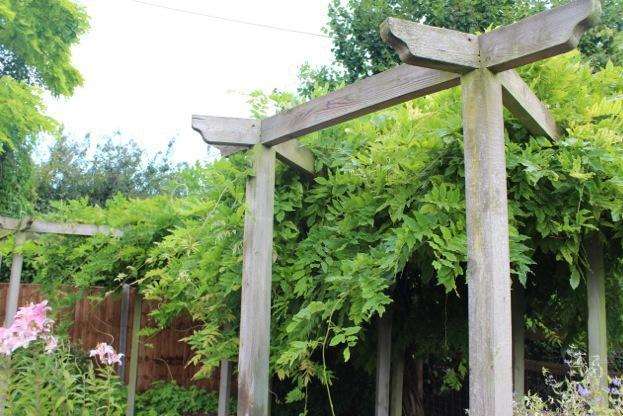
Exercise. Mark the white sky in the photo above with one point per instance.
(147, 69)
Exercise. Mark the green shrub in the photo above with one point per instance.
(169, 399)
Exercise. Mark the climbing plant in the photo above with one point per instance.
(383, 225)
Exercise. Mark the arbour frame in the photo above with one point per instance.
(434, 59)
(24, 229)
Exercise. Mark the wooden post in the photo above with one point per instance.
(398, 373)
(224, 390)
(383, 364)
(12, 297)
(123, 328)
(596, 286)
(256, 286)
(519, 356)
(133, 371)
(488, 271)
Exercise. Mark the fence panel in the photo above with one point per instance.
(161, 357)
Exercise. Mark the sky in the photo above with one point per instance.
(147, 69)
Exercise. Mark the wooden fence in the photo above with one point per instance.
(161, 357)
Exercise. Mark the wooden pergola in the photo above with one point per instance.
(26, 228)
(435, 59)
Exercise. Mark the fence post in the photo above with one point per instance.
(257, 263)
(123, 328)
(519, 356)
(224, 390)
(12, 297)
(488, 270)
(596, 288)
(133, 372)
(383, 364)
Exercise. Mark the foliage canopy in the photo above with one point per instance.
(383, 225)
(36, 37)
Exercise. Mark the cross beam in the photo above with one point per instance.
(537, 37)
(28, 225)
(435, 59)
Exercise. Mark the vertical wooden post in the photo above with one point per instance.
(519, 356)
(256, 286)
(224, 390)
(12, 297)
(133, 371)
(398, 373)
(488, 271)
(596, 286)
(383, 364)
(123, 328)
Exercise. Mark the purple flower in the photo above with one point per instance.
(582, 391)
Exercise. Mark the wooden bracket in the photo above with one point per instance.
(519, 99)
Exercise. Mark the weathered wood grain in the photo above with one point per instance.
(596, 287)
(44, 227)
(519, 335)
(529, 110)
(124, 316)
(257, 262)
(383, 364)
(488, 271)
(133, 370)
(230, 150)
(224, 388)
(297, 156)
(366, 96)
(227, 131)
(540, 36)
(398, 374)
(12, 296)
(431, 47)
(246, 133)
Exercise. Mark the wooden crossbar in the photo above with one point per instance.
(45, 227)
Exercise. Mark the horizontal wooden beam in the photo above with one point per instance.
(245, 133)
(534, 38)
(526, 106)
(538, 37)
(431, 47)
(44, 227)
(227, 131)
(366, 96)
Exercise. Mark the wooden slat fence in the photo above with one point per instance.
(161, 357)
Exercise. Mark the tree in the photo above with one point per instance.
(36, 37)
(115, 168)
(359, 50)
